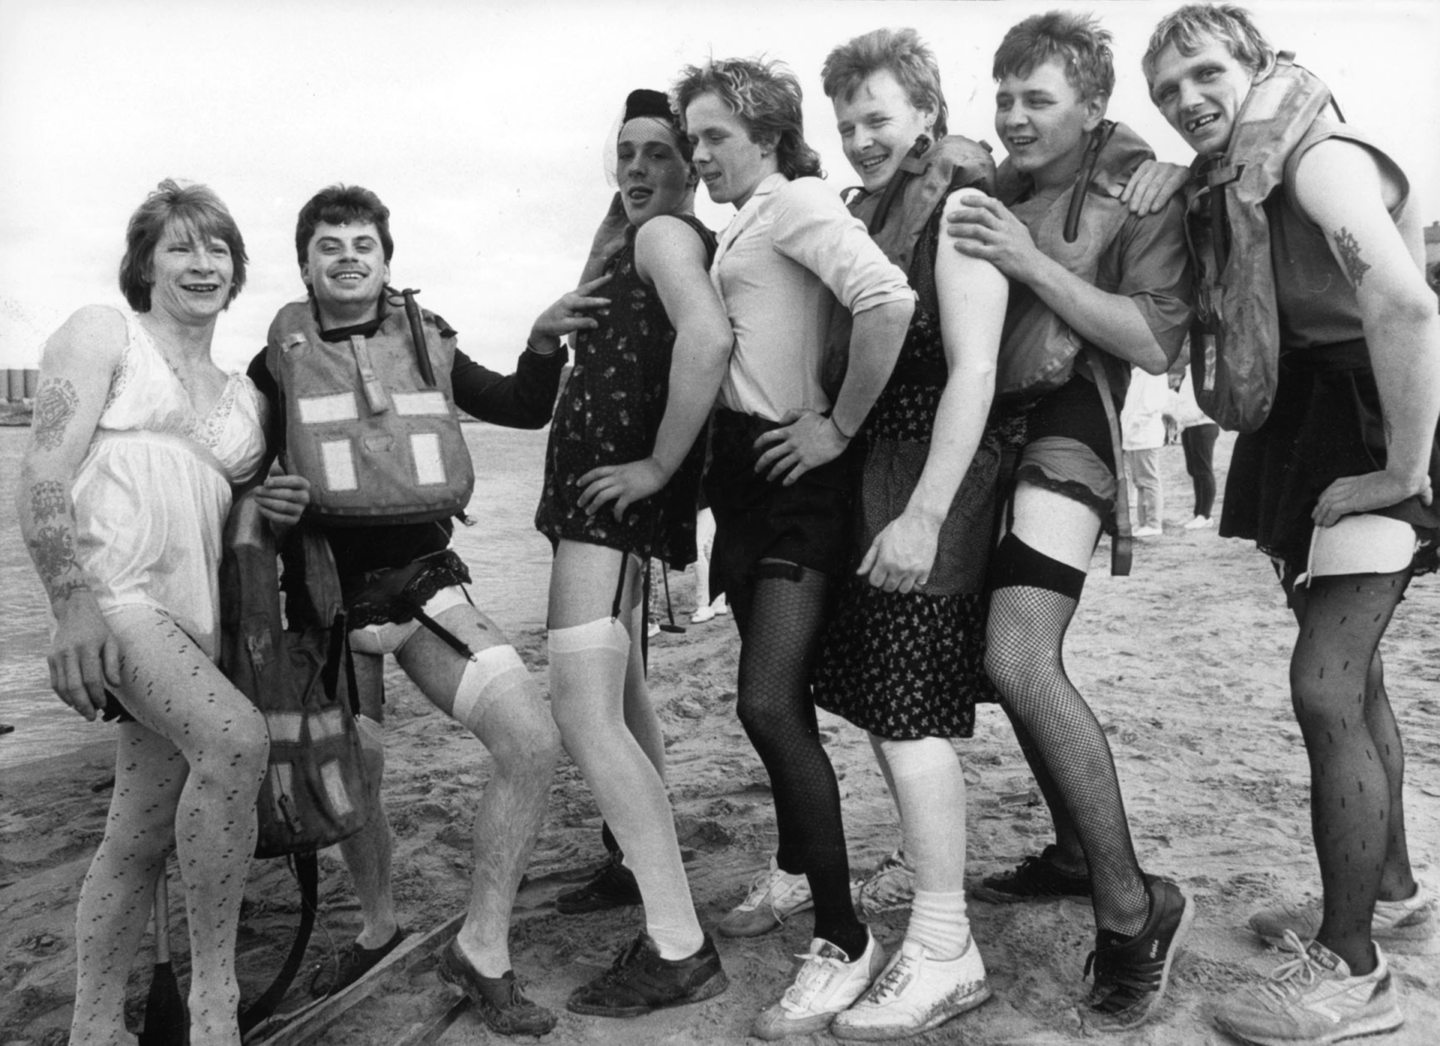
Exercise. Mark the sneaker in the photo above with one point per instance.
(1199, 523)
(720, 606)
(357, 963)
(827, 983)
(914, 994)
(774, 896)
(702, 615)
(1147, 532)
(889, 888)
(1033, 879)
(498, 1000)
(612, 885)
(639, 981)
(1312, 998)
(1406, 927)
(1131, 973)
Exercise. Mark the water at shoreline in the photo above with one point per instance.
(508, 559)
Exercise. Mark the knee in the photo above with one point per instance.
(528, 746)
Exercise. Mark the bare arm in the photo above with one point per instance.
(672, 257)
(984, 228)
(75, 373)
(1151, 186)
(1340, 186)
(973, 295)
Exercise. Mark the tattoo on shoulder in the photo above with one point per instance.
(1355, 266)
(55, 406)
(47, 500)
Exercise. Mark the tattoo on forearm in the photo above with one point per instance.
(55, 406)
(53, 550)
(1349, 248)
(47, 499)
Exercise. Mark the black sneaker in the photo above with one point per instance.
(498, 1000)
(357, 963)
(639, 981)
(1034, 879)
(1131, 972)
(611, 886)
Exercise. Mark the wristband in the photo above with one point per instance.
(530, 346)
(838, 429)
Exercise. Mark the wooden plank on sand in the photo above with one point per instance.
(300, 1026)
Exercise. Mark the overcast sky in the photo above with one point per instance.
(482, 125)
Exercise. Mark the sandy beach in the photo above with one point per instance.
(1185, 662)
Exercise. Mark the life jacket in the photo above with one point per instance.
(371, 422)
(1235, 337)
(1038, 348)
(896, 216)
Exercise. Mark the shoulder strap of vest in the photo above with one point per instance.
(417, 336)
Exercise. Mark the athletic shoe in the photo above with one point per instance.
(702, 615)
(1312, 998)
(1147, 532)
(1406, 927)
(498, 1000)
(639, 981)
(1131, 973)
(612, 885)
(774, 896)
(1033, 879)
(1200, 523)
(357, 963)
(915, 993)
(889, 888)
(827, 982)
(721, 606)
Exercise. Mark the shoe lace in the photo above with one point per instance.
(891, 981)
(1294, 976)
(814, 978)
(764, 888)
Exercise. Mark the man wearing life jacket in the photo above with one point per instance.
(1336, 484)
(1093, 290)
(367, 387)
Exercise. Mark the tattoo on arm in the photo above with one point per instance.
(1355, 266)
(47, 499)
(53, 549)
(55, 406)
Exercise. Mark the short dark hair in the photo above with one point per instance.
(765, 95)
(1076, 39)
(1187, 27)
(194, 207)
(342, 205)
(903, 54)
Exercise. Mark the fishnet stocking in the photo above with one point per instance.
(781, 620)
(1025, 635)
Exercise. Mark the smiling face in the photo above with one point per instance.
(728, 162)
(1200, 95)
(654, 177)
(345, 269)
(878, 125)
(1044, 122)
(190, 274)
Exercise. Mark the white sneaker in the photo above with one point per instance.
(774, 896)
(1406, 927)
(914, 994)
(1147, 532)
(720, 606)
(1312, 998)
(702, 615)
(827, 983)
(1200, 523)
(889, 888)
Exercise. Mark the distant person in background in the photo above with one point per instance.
(1197, 438)
(706, 609)
(1337, 487)
(137, 441)
(622, 476)
(1142, 430)
(349, 381)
